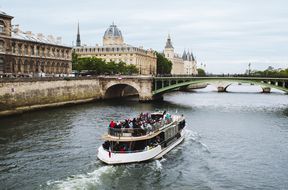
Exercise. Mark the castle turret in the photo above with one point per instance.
(169, 49)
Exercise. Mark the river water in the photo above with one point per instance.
(233, 141)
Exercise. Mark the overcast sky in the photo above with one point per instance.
(223, 34)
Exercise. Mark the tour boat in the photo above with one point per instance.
(147, 137)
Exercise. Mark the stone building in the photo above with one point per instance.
(114, 49)
(190, 63)
(185, 65)
(23, 53)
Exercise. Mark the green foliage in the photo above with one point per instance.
(97, 66)
(74, 61)
(271, 72)
(201, 72)
(164, 66)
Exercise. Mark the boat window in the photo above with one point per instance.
(125, 147)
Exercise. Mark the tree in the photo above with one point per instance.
(201, 72)
(97, 66)
(271, 72)
(75, 61)
(164, 66)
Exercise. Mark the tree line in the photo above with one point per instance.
(271, 72)
(97, 66)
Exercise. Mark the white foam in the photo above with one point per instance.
(191, 135)
(81, 181)
(158, 165)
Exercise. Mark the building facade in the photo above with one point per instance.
(190, 63)
(23, 53)
(114, 49)
(185, 65)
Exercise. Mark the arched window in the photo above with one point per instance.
(2, 25)
(31, 68)
(2, 46)
(1, 65)
(19, 49)
(37, 51)
(43, 52)
(26, 50)
(32, 50)
(26, 64)
(48, 52)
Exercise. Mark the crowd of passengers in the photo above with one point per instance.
(144, 123)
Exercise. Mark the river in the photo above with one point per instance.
(234, 141)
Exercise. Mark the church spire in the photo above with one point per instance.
(78, 41)
(168, 42)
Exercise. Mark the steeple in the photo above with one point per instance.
(184, 56)
(192, 57)
(78, 41)
(188, 56)
(169, 43)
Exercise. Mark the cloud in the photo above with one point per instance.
(223, 34)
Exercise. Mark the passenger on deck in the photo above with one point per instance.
(112, 124)
(130, 124)
(118, 125)
(126, 124)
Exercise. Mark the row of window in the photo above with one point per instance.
(112, 55)
(42, 68)
(109, 49)
(47, 64)
(32, 50)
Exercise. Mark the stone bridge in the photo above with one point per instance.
(113, 87)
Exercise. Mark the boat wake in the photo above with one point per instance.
(82, 181)
(194, 137)
(158, 165)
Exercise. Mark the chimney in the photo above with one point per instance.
(28, 34)
(51, 38)
(59, 40)
(40, 36)
(16, 29)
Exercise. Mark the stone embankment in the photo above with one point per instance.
(19, 95)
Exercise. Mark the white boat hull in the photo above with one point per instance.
(123, 158)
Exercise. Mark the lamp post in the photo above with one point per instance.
(249, 69)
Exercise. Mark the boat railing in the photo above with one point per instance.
(136, 132)
(126, 132)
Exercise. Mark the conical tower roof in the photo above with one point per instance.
(184, 56)
(169, 42)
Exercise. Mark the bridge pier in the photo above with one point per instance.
(266, 89)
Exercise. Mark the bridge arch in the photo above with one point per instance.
(121, 90)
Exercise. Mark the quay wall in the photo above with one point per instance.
(18, 96)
